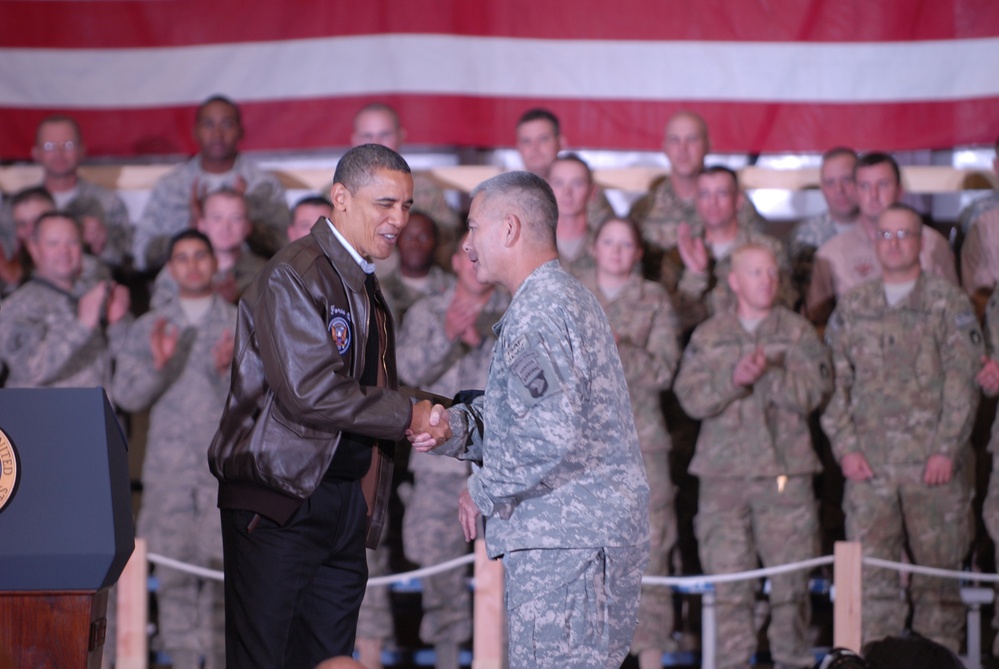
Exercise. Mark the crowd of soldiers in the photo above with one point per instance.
(762, 372)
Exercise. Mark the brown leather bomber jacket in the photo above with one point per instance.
(299, 352)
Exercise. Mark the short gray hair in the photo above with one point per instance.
(533, 198)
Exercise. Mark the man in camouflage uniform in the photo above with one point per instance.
(445, 345)
(176, 360)
(840, 193)
(980, 249)
(906, 348)
(752, 375)
(106, 227)
(558, 474)
(58, 331)
(704, 289)
(173, 204)
(671, 200)
(416, 276)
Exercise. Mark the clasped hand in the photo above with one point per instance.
(429, 427)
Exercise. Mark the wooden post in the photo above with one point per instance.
(489, 639)
(132, 647)
(847, 576)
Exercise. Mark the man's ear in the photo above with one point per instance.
(512, 229)
(339, 196)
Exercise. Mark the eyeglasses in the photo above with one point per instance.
(900, 235)
(49, 147)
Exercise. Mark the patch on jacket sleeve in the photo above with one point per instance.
(339, 328)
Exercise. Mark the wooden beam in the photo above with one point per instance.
(847, 576)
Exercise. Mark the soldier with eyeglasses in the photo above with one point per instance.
(906, 347)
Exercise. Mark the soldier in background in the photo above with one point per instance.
(752, 375)
(59, 149)
(444, 346)
(224, 221)
(840, 193)
(647, 335)
(572, 182)
(704, 288)
(988, 380)
(416, 276)
(305, 213)
(672, 199)
(906, 348)
(175, 360)
(174, 204)
(59, 330)
(559, 470)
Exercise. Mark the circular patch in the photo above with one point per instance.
(9, 474)
(340, 332)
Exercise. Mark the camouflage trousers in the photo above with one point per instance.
(431, 535)
(739, 523)
(374, 620)
(183, 523)
(572, 607)
(655, 611)
(885, 511)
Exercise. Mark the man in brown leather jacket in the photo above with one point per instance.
(312, 411)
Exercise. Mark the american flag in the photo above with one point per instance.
(768, 75)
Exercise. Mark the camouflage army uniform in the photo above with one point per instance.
(168, 210)
(905, 390)
(401, 296)
(179, 516)
(242, 273)
(44, 345)
(431, 533)
(806, 238)
(700, 296)
(642, 318)
(659, 213)
(970, 214)
(559, 478)
(582, 263)
(749, 437)
(990, 509)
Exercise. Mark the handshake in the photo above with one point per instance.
(429, 427)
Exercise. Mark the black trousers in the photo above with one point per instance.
(292, 592)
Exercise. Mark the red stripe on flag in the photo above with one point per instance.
(145, 23)
(318, 124)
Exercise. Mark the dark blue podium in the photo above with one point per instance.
(66, 528)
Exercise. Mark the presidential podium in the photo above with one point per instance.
(66, 527)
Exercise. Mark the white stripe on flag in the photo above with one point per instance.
(790, 72)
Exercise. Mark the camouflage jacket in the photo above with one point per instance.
(760, 430)
(559, 460)
(186, 396)
(905, 375)
(44, 345)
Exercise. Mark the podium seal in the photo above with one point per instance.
(8, 470)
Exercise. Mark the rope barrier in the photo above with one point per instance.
(681, 581)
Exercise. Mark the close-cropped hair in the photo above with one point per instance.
(357, 167)
(838, 151)
(31, 194)
(59, 118)
(219, 98)
(224, 191)
(576, 158)
(189, 233)
(51, 215)
(722, 169)
(313, 201)
(540, 114)
(530, 195)
(877, 158)
(381, 107)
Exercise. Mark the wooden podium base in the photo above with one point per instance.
(63, 630)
